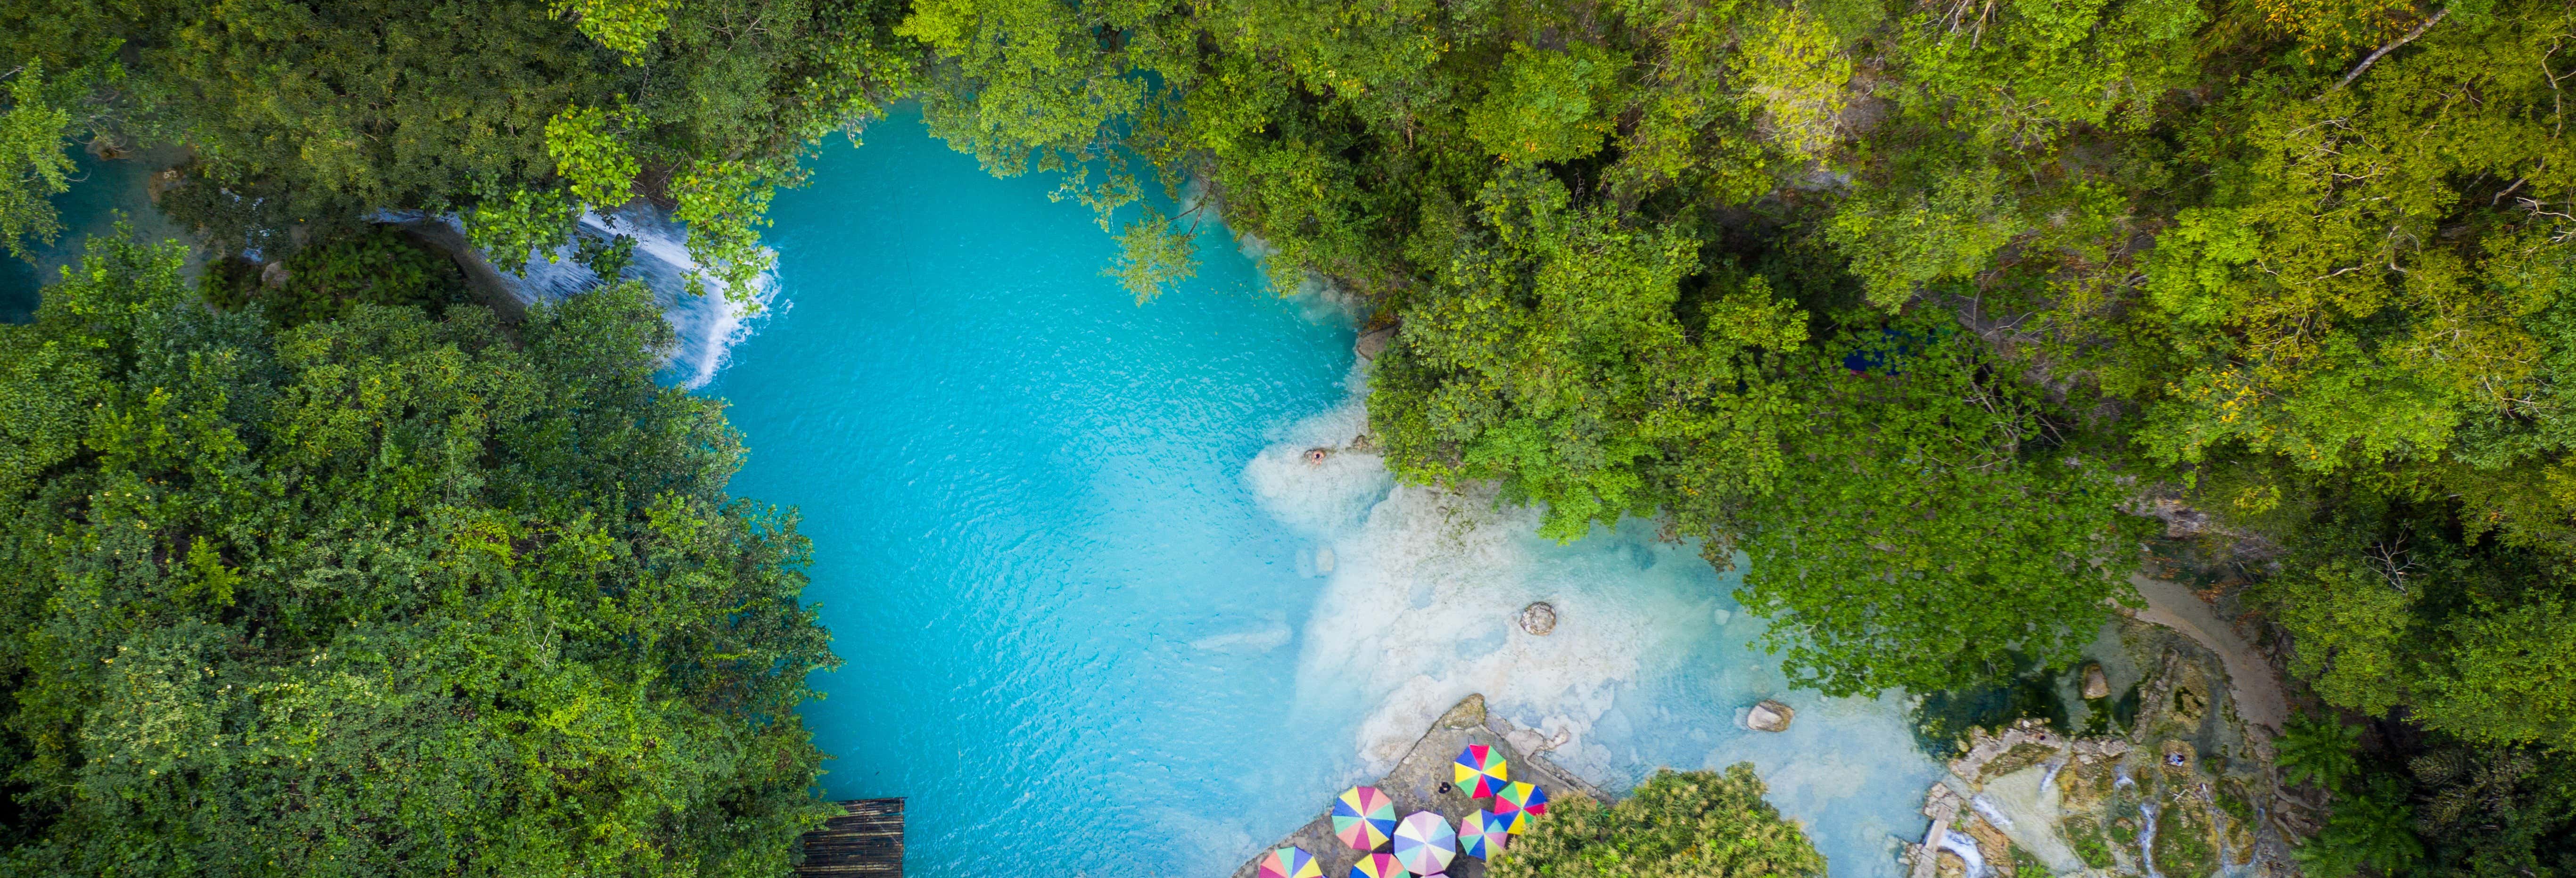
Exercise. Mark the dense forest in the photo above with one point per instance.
(1917, 309)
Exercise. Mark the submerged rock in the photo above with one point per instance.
(2096, 685)
(1538, 618)
(1770, 716)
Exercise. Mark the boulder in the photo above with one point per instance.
(1770, 716)
(1538, 618)
(274, 276)
(2096, 685)
(1374, 342)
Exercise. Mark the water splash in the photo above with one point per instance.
(1965, 847)
(707, 322)
(2147, 839)
(1647, 667)
(1993, 815)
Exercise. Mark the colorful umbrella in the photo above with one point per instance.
(1517, 802)
(1289, 862)
(1480, 770)
(1483, 834)
(1364, 818)
(1425, 844)
(1379, 866)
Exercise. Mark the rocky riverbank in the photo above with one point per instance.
(1416, 785)
(2184, 788)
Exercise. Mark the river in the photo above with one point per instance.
(1101, 615)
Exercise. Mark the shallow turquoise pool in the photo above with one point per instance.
(102, 194)
(1102, 618)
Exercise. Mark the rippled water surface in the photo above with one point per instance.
(1102, 617)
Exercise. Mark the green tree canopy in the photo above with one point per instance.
(382, 593)
(517, 113)
(1699, 824)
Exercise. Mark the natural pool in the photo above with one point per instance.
(1100, 617)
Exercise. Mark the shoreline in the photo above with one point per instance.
(1415, 780)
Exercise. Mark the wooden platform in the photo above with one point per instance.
(866, 840)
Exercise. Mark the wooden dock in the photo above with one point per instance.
(866, 840)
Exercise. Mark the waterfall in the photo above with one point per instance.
(1962, 844)
(2147, 840)
(708, 325)
(1993, 815)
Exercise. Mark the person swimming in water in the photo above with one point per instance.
(1315, 456)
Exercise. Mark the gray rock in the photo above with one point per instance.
(274, 276)
(1538, 618)
(1770, 716)
(2095, 684)
(1374, 342)
(1420, 782)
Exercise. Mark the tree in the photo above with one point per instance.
(517, 114)
(1552, 354)
(2373, 830)
(1930, 523)
(2318, 751)
(377, 592)
(33, 166)
(1702, 824)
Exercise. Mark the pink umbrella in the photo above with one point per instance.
(1425, 844)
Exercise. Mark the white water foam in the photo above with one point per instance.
(1419, 608)
(1645, 666)
(708, 324)
(1965, 847)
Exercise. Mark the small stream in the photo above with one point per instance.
(2147, 838)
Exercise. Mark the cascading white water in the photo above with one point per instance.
(1993, 815)
(708, 323)
(2147, 839)
(1965, 847)
(1647, 665)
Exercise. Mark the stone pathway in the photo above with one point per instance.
(1415, 782)
(2250, 678)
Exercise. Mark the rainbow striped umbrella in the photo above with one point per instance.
(1363, 818)
(1483, 834)
(1517, 802)
(1480, 770)
(1425, 844)
(1379, 866)
(1289, 862)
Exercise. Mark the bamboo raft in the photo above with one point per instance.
(866, 840)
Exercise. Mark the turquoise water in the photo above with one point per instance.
(101, 194)
(1100, 615)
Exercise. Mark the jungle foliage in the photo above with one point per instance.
(2433, 804)
(1903, 300)
(1899, 301)
(355, 590)
(1699, 824)
(515, 114)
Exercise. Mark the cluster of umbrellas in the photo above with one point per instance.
(1423, 842)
